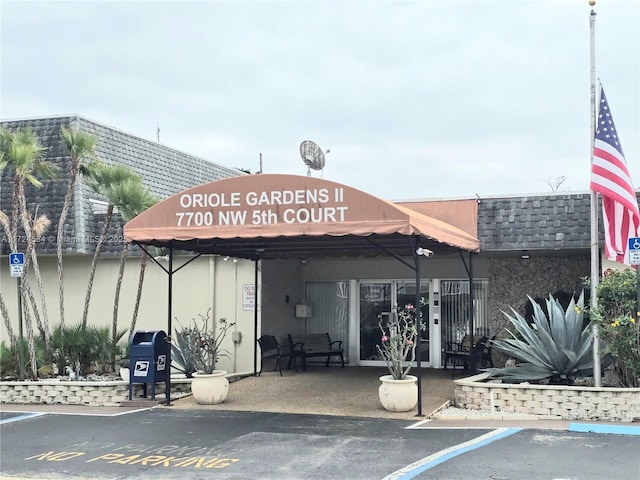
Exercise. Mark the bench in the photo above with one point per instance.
(313, 345)
(463, 351)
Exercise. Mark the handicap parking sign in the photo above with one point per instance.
(16, 264)
(634, 250)
(16, 259)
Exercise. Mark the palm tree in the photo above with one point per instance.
(33, 231)
(108, 181)
(134, 198)
(39, 226)
(81, 147)
(7, 321)
(4, 221)
(22, 150)
(143, 200)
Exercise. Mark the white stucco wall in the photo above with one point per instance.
(203, 284)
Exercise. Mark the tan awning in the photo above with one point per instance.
(280, 216)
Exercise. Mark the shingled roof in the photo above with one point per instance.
(165, 171)
(554, 221)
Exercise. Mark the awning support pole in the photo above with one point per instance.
(169, 314)
(471, 309)
(154, 260)
(418, 310)
(255, 318)
(389, 252)
(466, 267)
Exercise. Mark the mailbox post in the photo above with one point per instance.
(148, 360)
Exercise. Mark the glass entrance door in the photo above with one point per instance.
(406, 294)
(377, 299)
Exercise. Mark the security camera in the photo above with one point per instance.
(425, 252)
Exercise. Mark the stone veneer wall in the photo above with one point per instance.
(512, 279)
(95, 394)
(549, 401)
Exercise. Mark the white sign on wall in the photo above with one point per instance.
(249, 296)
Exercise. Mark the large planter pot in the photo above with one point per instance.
(210, 388)
(398, 395)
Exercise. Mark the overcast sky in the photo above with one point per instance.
(421, 99)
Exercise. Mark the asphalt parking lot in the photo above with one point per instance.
(167, 444)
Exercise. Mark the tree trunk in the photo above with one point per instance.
(134, 318)
(43, 302)
(12, 338)
(7, 321)
(92, 272)
(116, 300)
(29, 232)
(13, 236)
(30, 337)
(34, 306)
(60, 237)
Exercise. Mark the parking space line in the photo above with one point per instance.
(19, 418)
(604, 428)
(410, 471)
(79, 413)
(103, 414)
(424, 425)
(419, 424)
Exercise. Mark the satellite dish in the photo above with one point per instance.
(312, 156)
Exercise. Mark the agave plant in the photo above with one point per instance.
(197, 348)
(558, 348)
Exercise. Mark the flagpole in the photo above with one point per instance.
(595, 250)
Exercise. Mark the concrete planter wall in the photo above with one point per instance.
(95, 394)
(549, 401)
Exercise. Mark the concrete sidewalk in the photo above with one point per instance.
(349, 391)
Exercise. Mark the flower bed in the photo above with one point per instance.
(562, 402)
(90, 393)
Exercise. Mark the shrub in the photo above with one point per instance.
(8, 361)
(619, 327)
(85, 350)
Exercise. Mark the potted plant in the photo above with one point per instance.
(196, 351)
(398, 391)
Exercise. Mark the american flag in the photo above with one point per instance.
(610, 178)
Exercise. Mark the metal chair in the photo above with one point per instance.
(270, 349)
(466, 354)
(487, 353)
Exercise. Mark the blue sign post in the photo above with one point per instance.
(16, 267)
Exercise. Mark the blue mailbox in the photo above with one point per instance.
(148, 354)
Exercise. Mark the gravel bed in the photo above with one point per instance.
(464, 412)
